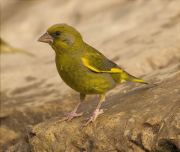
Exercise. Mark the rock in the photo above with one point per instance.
(145, 118)
(132, 34)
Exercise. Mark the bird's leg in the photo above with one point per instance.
(96, 112)
(73, 112)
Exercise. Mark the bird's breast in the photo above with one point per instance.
(76, 75)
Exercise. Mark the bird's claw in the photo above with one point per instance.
(71, 116)
(96, 113)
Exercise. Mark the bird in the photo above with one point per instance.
(6, 48)
(83, 68)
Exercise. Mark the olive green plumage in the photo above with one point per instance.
(82, 67)
(70, 52)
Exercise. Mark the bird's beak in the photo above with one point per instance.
(46, 38)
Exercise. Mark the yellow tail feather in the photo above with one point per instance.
(139, 80)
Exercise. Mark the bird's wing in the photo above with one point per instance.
(97, 62)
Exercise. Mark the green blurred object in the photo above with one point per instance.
(82, 67)
(6, 48)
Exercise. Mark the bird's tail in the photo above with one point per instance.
(127, 77)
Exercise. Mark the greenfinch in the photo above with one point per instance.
(6, 48)
(83, 68)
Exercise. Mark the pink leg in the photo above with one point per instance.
(96, 112)
(73, 112)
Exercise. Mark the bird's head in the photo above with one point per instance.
(61, 37)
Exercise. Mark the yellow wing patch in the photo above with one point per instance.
(113, 70)
(85, 61)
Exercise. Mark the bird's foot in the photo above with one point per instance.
(71, 115)
(96, 113)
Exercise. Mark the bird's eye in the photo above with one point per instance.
(58, 33)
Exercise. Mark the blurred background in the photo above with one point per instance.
(140, 36)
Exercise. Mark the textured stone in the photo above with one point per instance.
(145, 118)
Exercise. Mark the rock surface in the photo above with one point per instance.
(138, 38)
(138, 118)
